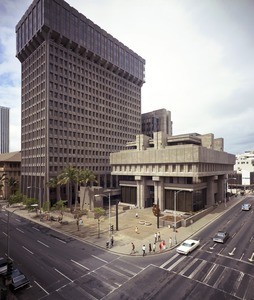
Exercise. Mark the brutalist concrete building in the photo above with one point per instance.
(81, 94)
(192, 167)
(156, 120)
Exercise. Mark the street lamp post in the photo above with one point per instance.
(109, 209)
(9, 214)
(39, 189)
(175, 198)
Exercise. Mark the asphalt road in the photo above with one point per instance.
(60, 267)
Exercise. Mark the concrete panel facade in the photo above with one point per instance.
(189, 163)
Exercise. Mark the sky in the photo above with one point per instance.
(199, 61)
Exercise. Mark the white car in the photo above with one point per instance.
(187, 246)
(246, 206)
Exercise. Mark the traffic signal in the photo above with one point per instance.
(111, 227)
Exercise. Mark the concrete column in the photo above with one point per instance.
(210, 191)
(158, 192)
(141, 191)
(221, 188)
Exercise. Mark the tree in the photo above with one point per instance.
(16, 198)
(68, 176)
(87, 178)
(3, 179)
(13, 184)
(98, 212)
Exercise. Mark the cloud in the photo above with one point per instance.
(199, 60)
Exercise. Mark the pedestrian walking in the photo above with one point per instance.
(136, 215)
(170, 242)
(132, 248)
(159, 236)
(155, 237)
(144, 250)
(160, 246)
(150, 248)
(136, 229)
(154, 247)
(112, 241)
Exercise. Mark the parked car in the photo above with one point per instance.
(246, 206)
(3, 266)
(18, 280)
(221, 237)
(187, 246)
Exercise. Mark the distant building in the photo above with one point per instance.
(157, 120)
(4, 129)
(244, 167)
(9, 173)
(154, 169)
(81, 95)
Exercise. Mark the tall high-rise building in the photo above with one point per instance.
(4, 129)
(81, 95)
(156, 120)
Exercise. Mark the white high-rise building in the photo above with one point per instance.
(245, 165)
(4, 129)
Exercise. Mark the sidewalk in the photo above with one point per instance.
(127, 223)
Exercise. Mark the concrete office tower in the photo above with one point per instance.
(4, 129)
(81, 95)
(157, 120)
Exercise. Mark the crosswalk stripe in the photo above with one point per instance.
(168, 261)
(176, 263)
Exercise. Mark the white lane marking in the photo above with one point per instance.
(27, 249)
(18, 220)
(242, 256)
(208, 275)
(77, 263)
(232, 252)
(100, 259)
(197, 269)
(168, 261)
(41, 287)
(60, 240)
(218, 279)
(3, 221)
(43, 244)
(5, 233)
(36, 228)
(115, 272)
(237, 283)
(20, 230)
(63, 275)
(188, 266)
(176, 263)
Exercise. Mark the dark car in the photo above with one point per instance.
(3, 266)
(221, 237)
(18, 279)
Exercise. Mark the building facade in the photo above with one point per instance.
(81, 94)
(4, 129)
(191, 167)
(244, 168)
(157, 120)
(9, 173)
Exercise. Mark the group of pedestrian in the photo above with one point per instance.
(157, 237)
(111, 242)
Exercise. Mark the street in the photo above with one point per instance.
(60, 267)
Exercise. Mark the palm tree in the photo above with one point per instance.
(52, 184)
(88, 178)
(13, 183)
(69, 176)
